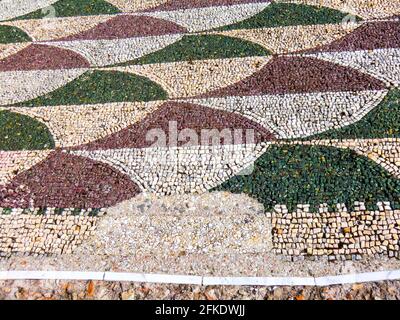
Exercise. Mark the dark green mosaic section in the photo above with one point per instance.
(71, 8)
(289, 14)
(201, 47)
(20, 132)
(382, 122)
(9, 34)
(314, 175)
(101, 87)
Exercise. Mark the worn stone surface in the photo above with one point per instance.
(138, 109)
(41, 233)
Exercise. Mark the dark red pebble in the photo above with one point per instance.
(43, 57)
(128, 26)
(369, 36)
(187, 116)
(285, 75)
(68, 181)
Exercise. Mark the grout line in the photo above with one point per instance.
(202, 280)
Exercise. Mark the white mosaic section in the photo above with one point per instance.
(300, 115)
(367, 9)
(185, 79)
(107, 52)
(200, 19)
(10, 9)
(136, 5)
(167, 171)
(281, 40)
(18, 86)
(53, 28)
(383, 64)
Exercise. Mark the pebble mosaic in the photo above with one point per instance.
(48, 231)
(294, 103)
(339, 234)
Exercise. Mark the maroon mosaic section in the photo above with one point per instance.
(186, 116)
(285, 75)
(370, 36)
(65, 181)
(43, 57)
(128, 26)
(191, 4)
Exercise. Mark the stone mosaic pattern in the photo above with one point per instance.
(50, 231)
(340, 234)
(87, 84)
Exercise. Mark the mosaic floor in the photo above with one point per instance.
(293, 103)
